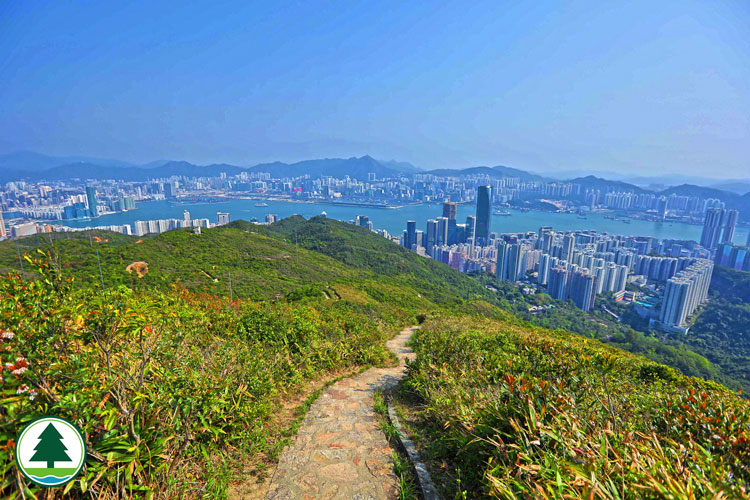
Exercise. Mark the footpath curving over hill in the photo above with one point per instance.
(340, 452)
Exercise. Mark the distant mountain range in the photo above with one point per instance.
(29, 161)
(35, 166)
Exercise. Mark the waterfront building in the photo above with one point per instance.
(730, 224)
(661, 207)
(470, 228)
(484, 213)
(431, 235)
(568, 246)
(712, 227)
(20, 230)
(93, 206)
(410, 234)
(442, 231)
(510, 263)
(222, 218)
(544, 267)
(734, 256)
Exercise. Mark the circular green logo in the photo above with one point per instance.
(50, 451)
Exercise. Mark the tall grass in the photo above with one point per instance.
(526, 413)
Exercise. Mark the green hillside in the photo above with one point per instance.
(170, 381)
(508, 411)
(260, 266)
(720, 332)
(178, 386)
(360, 248)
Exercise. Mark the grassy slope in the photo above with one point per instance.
(360, 248)
(671, 351)
(261, 267)
(509, 411)
(163, 378)
(375, 287)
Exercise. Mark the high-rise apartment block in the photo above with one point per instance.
(685, 292)
(713, 225)
(484, 213)
(730, 223)
(91, 199)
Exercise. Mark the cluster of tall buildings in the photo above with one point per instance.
(139, 228)
(573, 266)
(446, 231)
(582, 264)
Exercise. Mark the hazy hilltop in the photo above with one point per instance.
(34, 166)
(29, 161)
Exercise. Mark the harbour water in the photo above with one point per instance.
(394, 219)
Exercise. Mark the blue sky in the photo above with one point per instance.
(645, 87)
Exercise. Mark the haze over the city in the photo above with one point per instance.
(646, 88)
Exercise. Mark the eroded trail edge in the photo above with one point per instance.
(340, 451)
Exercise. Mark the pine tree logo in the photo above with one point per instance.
(50, 451)
(50, 448)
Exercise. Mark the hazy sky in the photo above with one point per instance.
(650, 87)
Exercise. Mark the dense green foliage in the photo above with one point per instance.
(174, 390)
(522, 412)
(721, 331)
(175, 377)
(358, 247)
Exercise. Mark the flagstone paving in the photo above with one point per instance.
(340, 451)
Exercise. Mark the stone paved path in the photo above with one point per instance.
(340, 451)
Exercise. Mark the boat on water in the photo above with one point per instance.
(261, 204)
(502, 212)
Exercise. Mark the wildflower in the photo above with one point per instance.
(23, 388)
(7, 335)
(10, 366)
(19, 371)
(21, 362)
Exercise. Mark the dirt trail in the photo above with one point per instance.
(340, 451)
